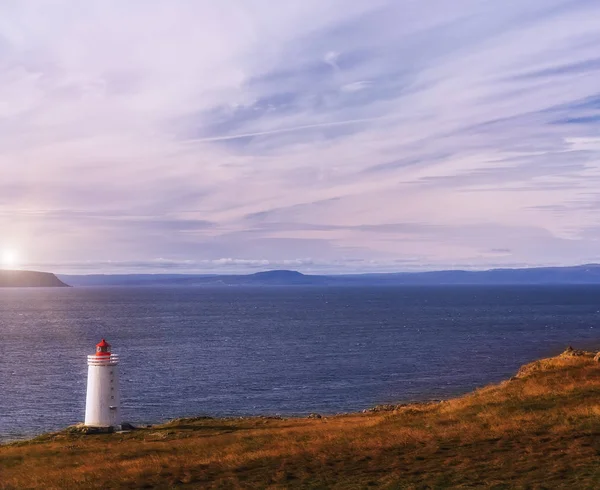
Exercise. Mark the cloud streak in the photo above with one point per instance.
(364, 135)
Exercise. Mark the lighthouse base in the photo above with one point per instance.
(90, 430)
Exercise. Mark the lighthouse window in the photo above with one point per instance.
(112, 397)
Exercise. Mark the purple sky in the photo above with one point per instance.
(318, 135)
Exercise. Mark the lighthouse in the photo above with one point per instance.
(102, 406)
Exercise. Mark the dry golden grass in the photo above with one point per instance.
(539, 430)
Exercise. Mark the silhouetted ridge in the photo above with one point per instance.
(583, 274)
(29, 279)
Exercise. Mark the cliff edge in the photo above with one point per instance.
(29, 279)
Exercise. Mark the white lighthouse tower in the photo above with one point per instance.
(103, 405)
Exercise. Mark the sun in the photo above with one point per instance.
(9, 259)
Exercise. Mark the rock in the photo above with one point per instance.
(314, 416)
(570, 352)
(84, 429)
(597, 357)
(383, 408)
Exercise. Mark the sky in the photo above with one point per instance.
(318, 135)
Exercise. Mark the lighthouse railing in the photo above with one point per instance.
(111, 360)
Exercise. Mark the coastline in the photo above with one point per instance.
(538, 428)
(380, 408)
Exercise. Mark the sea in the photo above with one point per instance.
(289, 351)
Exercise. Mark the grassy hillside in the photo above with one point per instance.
(541, 429)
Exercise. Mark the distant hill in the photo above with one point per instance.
(584, 274)
(267, 278)
(29, 279)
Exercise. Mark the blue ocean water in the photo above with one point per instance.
(290, 351)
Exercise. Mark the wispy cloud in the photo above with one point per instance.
(364, 135)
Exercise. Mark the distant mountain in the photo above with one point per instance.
(281, 277)
(29, 279)
(584, 274)
(268, 278)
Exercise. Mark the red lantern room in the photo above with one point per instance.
(103, 348)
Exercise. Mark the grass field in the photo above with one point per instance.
(541, 429)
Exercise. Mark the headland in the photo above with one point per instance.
(29, 279)
(540, 429)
